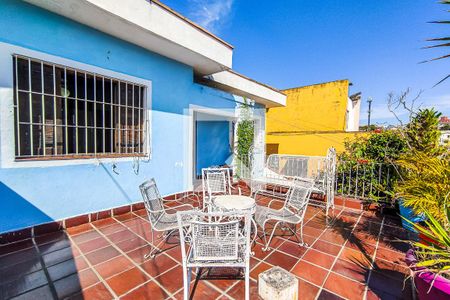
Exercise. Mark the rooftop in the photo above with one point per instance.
(354, 254)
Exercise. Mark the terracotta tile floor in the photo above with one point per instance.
(352, 255)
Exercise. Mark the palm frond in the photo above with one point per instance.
(438, 45)
(438, 39)
(437, 58)
(442, 80)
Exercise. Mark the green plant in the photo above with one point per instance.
(433, 251)
(365, 168)
(379, 147)
(422, 132)
(245, 134)
(425, 183)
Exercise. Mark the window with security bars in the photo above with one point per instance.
(62, 112)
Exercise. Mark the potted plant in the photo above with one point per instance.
(429, 259)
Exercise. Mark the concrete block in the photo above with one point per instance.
(277, 284)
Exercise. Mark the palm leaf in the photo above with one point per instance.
(439, 39)
(436, 46)
(437, 58)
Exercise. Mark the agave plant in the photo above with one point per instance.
(440, 42)
(433, 251)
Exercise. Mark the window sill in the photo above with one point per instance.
(79, 157)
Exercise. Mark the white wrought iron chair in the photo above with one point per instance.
(160, 219)
(216, 181)
(214, 240)
(292, 212)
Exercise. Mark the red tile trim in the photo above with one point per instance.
(75, 221)
(47, 228)
(137, 206)
(121, 210)
(100, 215)
(40, 229)
(14, 236)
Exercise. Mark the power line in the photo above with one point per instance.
(318, 135)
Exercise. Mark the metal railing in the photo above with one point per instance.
(365, 180)
(360, 180)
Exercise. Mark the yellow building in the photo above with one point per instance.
(315, 118)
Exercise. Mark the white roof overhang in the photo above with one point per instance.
(151, 25)
(240, 85)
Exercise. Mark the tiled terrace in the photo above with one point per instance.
(352, 256)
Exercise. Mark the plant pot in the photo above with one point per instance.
(424, 279)
(409, 214)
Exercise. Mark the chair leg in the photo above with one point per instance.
(186, 282)
(300, 240)
(156, 249)
(266, 244)
(247, 282)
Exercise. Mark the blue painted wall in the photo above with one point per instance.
(37, 195)
(213, 144)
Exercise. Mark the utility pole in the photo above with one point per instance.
(369, 111)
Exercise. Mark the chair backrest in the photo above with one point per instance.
(298, 195)
(214, 236)
(284, 166)
(152, 200)
(216, 181)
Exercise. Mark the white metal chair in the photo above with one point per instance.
(216, 181)
(214, 240)
(292, 212)
(160, 219)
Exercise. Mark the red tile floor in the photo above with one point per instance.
(352, 255)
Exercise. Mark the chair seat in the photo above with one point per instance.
(217, 261)
(264, 213)
(166, 222)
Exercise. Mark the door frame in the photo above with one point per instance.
(191, 137)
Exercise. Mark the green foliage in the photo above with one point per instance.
(245, 134)
(425, 184)
(383, 147)
(422, 133)
(367, 127)
(433, 250)
(366, 170)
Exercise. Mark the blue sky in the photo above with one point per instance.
(375, 44)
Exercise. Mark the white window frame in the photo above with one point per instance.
(7, 121)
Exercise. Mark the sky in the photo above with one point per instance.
(377, 45)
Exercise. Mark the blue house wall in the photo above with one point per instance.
(34, 195)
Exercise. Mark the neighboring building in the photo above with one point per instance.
(97, 97)
(444, 123)
(444, 126)
(445, 137)
(315, 118)
(352, 112)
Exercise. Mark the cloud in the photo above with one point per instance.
(211, 14)
(440, 103)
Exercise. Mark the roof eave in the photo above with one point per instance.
(150, 25)
(237, 84)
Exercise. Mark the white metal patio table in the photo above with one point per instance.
(237, 203)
